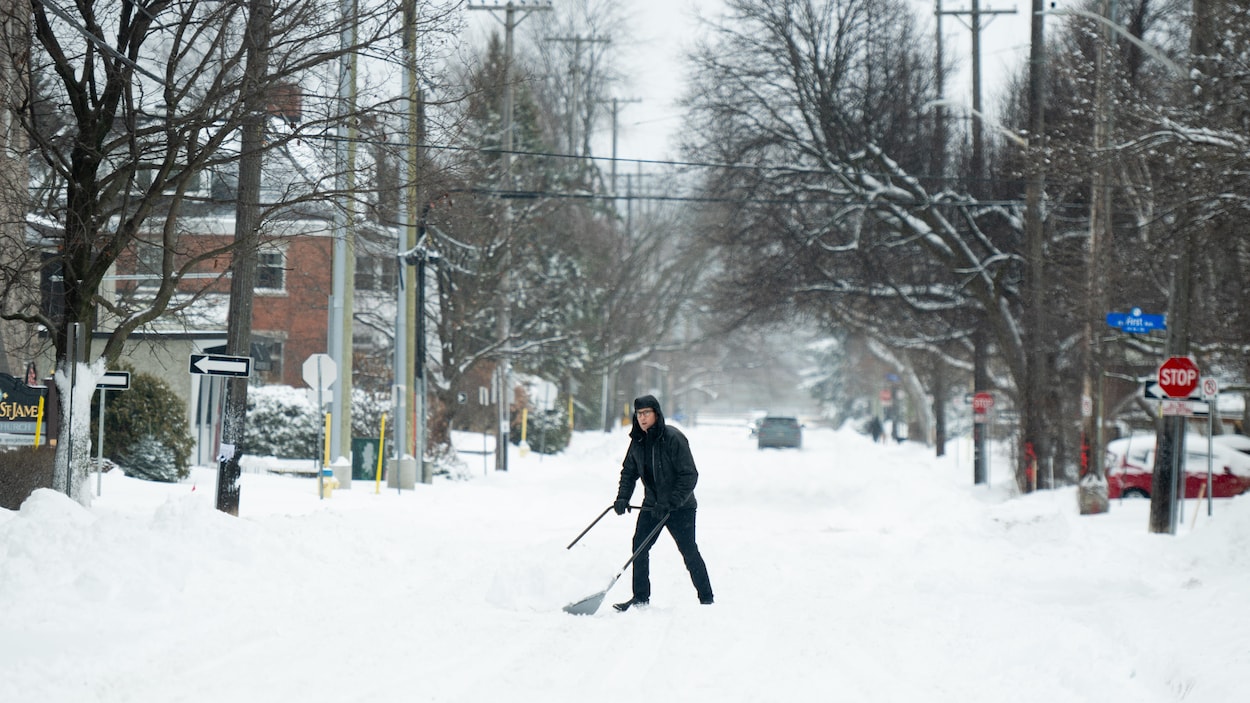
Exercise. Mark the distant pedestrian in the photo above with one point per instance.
(660, 455)
(875, 429)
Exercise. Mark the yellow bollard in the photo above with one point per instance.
(377, 484)
(326, 434)
(39, 422)
(525, 416)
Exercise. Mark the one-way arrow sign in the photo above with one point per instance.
(221, 365)
(1152, 391)
(113, 381)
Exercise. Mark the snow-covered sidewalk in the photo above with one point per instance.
(845, 571)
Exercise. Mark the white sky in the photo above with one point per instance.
(664, 30)
(844, 571)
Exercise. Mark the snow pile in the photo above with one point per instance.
(847, 570)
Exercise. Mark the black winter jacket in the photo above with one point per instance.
(670, 483)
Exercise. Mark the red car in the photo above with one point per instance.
(1131, 460)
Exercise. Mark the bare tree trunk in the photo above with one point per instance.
(243, 267)
(1032, 400)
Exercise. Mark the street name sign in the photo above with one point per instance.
(1135, 322)
(221, 365)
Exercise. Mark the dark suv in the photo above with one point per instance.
(779, 432)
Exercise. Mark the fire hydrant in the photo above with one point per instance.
(328, 483)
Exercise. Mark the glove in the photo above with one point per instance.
(620, 506)
(659, 511)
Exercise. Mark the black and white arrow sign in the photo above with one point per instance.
(221, 365)
(114, 381)
(1152, 391)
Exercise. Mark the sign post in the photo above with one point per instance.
(1211, 394)
(114, 380)
(1178, 378)
(227, 476)
(320, 372)
(981, 402)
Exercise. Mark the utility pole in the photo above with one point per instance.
(504, 370)
(1092, 487)
(340, 342)
(605, 396)
(976, 187)
(616, 106)
(974, 13)
(405, 301)
(577, 147)
(937, 159)
(1167, 485)
(1036, 380)
(246, 236)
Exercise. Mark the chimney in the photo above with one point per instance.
(285, 101)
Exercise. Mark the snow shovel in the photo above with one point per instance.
(596, 522)
(590, 604)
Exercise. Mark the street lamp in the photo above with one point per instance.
(420, 256)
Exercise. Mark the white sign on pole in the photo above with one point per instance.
(1210, 388)
(320, 372)
(315, 396)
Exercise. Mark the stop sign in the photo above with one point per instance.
(982, 402)
(1178, 377)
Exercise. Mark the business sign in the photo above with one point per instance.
(19, 406)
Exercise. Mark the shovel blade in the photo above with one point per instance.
(586, 606)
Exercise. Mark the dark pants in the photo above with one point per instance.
(681, 526)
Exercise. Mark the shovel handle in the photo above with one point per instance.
(596, 522)
(645, 543)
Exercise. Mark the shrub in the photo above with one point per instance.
(151, 459)
(546, 432)
(281, 422)
(147, 424)
(22, 470)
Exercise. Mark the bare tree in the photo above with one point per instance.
(134, 121)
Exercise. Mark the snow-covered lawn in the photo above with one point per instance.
(846, 571)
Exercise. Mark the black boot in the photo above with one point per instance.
(622, 607)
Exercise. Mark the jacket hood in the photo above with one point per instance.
(647, 401)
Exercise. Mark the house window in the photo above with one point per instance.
(267, 359)
(375, 273)
(271, 270)
(148, 264)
